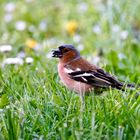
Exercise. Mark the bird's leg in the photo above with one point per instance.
(82, 101)
(82, 106)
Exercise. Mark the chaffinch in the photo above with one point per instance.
(79, 75)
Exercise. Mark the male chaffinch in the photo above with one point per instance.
(79, 75)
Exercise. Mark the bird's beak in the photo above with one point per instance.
(57, 53)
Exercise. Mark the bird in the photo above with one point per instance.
(80, 76)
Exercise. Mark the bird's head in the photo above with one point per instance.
(66, 52)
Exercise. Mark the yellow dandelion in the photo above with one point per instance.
(31, 43)
(71, 27)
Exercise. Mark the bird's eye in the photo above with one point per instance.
(65, 50)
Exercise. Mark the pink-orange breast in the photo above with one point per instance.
(71, 84)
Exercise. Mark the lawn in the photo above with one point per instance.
(33, 102)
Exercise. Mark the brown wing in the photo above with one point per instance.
(97, 78)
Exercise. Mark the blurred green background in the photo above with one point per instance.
(98, 24)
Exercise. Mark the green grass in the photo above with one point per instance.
(33, 102)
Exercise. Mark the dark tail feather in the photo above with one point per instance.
(131, 86)
(122, 86)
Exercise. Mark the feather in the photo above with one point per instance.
(97, 78)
